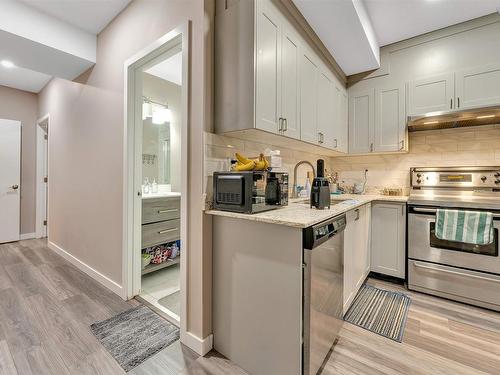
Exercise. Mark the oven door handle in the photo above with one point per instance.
(433, 211)
(420, 265)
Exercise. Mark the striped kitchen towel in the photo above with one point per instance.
(472, 227)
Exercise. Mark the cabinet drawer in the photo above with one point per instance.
(455, 283)
(160, 209)
(158, 233)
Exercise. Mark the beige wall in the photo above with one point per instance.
(86, 148)
(449, 147)
(22, 106)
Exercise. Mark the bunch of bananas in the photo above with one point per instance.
(245, 164)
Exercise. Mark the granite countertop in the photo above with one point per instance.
(298, 213)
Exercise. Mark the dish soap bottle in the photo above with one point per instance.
(154, 186)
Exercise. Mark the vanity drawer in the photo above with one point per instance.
(160, 209)
(158, 233)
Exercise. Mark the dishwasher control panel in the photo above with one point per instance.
(319, 233)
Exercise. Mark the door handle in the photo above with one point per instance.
(168, 230)
(165, 211)
(14, 187)
(420, 265)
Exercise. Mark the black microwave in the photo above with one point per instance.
(250, 192)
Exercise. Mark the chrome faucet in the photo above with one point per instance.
(294, 187)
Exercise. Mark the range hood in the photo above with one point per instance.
(455, 119)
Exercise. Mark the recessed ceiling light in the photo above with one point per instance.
(431, 122)
(7, 64)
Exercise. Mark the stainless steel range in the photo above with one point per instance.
(456, 270)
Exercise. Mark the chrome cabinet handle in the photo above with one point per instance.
(285, 123)
(14, 187)
(458, 102)
(451, 103)
(165, 211)
(336, 143)
(280, 124)
(320, 137)
(357, 214)
(420, 265)
(371, 147)
(167, 231)
(402, 144)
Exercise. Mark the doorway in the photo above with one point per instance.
(156, 176)
(42, 176)
(10, 180)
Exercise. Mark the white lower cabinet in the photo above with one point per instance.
(388, 231)
(356, 252)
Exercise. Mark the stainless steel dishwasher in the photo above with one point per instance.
(322, 291)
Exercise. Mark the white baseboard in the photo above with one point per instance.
(96, 275)
(200, 346)
(27, 236)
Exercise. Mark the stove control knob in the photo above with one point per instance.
(483, 178)
(497, 182)
(497, 175)
(419, 175)
(419, 181)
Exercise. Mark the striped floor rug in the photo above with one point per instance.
(380, 311)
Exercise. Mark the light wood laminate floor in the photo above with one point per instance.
(47, 305)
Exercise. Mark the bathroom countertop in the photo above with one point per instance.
(166, 194)
(298, 213)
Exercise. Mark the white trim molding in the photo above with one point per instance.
(27, 236)
(96, 275)
(200, 346)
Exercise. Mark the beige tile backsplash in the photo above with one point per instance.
(220, 149)
(448, 147)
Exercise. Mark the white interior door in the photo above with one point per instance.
(10, 179)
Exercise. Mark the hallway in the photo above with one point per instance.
(46, 307)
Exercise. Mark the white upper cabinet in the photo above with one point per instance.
(326, 111)
(361, 118)
(341, 127)
(267, 109)
(478, 87)
(390, 120)
(431, 94)
(290, 94)
(308, 100)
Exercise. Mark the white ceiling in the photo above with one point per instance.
(88, 15)
(354, 30)
(396, 20)
(169, 69)
(23, 79)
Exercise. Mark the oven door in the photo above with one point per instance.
(425, 246)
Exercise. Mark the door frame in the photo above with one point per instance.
(131, 273)
(42, 158)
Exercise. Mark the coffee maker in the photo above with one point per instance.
(320, 189)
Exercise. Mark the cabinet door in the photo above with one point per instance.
(290, 100)
(326, 111)
(349, 253)
(267, 70)
(431, 94)
(478, 87)
(361, 116)
(341, 126)
(388, 239)
(390, 122)
(308, 100)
